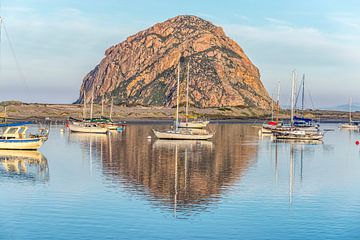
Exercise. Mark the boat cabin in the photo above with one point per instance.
(17, 132)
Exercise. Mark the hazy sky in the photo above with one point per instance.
(58, 42)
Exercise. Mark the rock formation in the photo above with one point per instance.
(142, 69)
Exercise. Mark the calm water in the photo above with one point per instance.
(125, 186)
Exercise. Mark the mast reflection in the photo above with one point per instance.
(181, 176)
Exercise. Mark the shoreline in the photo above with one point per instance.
(60, 112)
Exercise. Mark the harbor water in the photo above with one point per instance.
(125, 185)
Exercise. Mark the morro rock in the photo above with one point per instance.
(142, 70)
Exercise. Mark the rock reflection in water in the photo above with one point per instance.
(181, 175)
(24, 165)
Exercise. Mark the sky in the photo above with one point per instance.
(57, 43)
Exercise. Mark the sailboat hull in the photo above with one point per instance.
(86, 129)
(349, 126)
(21, 144)
(181, 136)
(299, 135)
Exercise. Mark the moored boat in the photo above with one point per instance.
(186, 133)
(350, 125)
(188, 122)
(87, 127)
(15, 138)
(299, 135)
(182, 135)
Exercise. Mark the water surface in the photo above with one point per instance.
(126, 186)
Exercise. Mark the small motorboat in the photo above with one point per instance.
(15, 138)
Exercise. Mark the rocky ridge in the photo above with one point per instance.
(142, 69)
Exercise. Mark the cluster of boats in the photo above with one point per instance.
(297, 128)
(94, 125)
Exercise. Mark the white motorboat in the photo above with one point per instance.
(15, 138)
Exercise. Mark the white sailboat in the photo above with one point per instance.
(269, 127)
(190, 123)
(351, 125)
(87, 126)
(176, 133)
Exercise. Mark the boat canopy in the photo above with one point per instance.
(301, 119)
(14, 124)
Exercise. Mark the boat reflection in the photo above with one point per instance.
(24, 166)
(295, 155)
(181, 176)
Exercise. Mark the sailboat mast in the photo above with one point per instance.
(350, 102)
(111, 107)
(292, 97)
(84, 108)
(177, 98)
(187, 91)
(278, 102)
(92, 101)
(272, 107)
(102, 106)
(303, 94)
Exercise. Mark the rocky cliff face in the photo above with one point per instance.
(142, 70)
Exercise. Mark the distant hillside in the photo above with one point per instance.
(344, 107)
(142, 69)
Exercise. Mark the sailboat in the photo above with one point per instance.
(190, 123)
(302, 122)
(87, 125)
(181, 134)
(351, 125)
(294, 132)
(269, 127)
